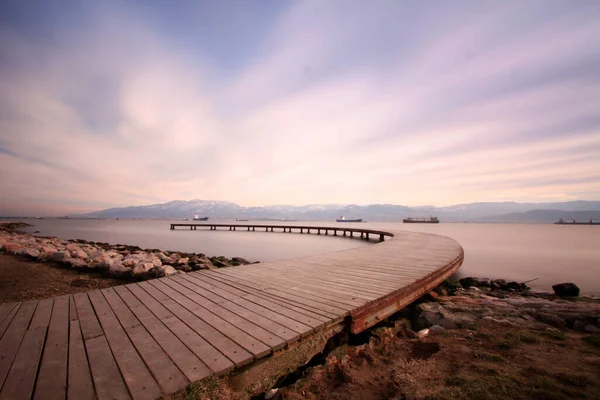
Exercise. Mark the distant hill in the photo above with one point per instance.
(543, 216)
(473, 212)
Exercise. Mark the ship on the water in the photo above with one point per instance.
(430, 220)
(197, 218)
(563, 221)
(343, 219)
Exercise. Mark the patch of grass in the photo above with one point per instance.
(554, 335)
(457, 381)
(482, 355)
(482, 335)
(529, 338)
(200, 390)
(594, 340)
(573, 379)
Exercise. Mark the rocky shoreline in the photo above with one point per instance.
(115, 260)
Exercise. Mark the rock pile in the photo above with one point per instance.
(473, 307)
(116, 260)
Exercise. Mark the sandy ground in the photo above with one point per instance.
(21, 279)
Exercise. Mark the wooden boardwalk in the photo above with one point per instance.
(144, 340)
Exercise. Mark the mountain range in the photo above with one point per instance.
(472, 212)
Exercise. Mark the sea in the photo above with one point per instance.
(544, 253)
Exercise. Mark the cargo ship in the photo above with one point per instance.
(563, 221)
(431, 220)
(343, 219)
(197, 218)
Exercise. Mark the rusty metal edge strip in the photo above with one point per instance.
(380, 309)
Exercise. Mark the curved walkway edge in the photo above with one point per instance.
(148, 339)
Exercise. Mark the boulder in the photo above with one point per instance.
(468, 282)
(566, 290)
(47, 252)
(498, 284)
(104, 261)
(156, 262)
(142, 268)
(77, 263)
(423, 333)
(183, 261)
(436, 329)
(13, 247)
(168, 270)
(82, 255)
(61, 256)
(33, 253)
(589, 328)
(240, 260)
(117, 268)
(161, 256)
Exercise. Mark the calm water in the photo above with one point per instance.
(518, 252)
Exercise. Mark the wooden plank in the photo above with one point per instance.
(5, 310)
(270, 339)
(108, 381)
(72, 309)
(168, 376)
(41, 317)
(21, 378)
(186, 361)
(8, 319)
(315, 289)
(331, 306)
(80, 378)
(138, 379)
(213, 301)
(320, 295)
(282, 317)
(245, 285)
(226, 346)
(10, 342)
(252, 345)
(52, 379)
(90, 327)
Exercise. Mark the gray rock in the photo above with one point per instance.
(61, 256)
(423, 333)
(566, 290)
(436, 329)
(591, 329)
(168, 270)
(448, 323)
(77, 263)
(551, 319)
(142, 268)
(33, 253)
(498, 284)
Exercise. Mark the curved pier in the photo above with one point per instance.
(144, 340)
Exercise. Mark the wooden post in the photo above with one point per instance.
(301, 230)
(252, 229)
(362, 235)
(191, 227)
(326, 231)
(248, 229)
(172, 227)
(319, 232)
(229, 227)
(381, 239)
(234, 227)
(367, 235)
(308, 230)
(344, 233)
(351, 233)
(335, 232)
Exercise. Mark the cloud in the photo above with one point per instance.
(329, 102)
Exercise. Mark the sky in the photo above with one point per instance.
(117, 103)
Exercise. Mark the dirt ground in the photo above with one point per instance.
(485, 364)
(459, 364)
(22, 279)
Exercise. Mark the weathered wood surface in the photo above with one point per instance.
(144, 340)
